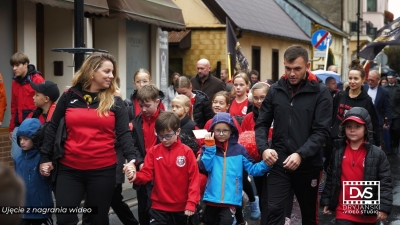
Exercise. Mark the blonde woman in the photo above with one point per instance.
(94, 120)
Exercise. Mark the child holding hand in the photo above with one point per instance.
(224, 159)
(173, 169)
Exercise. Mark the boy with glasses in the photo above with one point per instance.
(224, 160)
(176, 192)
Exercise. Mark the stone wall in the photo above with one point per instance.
(209, 44)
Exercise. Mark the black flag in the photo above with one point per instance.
(387, 35)
(236, 60)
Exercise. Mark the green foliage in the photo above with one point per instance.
(393, 54)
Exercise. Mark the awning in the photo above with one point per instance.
(181, 39)
(99, 7)
(161, 13)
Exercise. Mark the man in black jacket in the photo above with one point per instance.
(394, 96)
(204, 81)
(301, 109)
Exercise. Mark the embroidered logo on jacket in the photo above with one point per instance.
(180, 161)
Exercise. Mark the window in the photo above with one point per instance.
(256, 58)
(275, 65)
(371, 5)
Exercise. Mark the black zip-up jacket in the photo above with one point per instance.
(342, 103)
(202, 111)
(394, 96)
(301, 121)
(138, 139)
(187, 126)
(74, 99)
(376, 167)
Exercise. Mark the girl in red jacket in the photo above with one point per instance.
(240, 104)
(173, 169)
(259, 92)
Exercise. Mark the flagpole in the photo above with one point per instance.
(366, 64)
(229, 67)
(328, 39)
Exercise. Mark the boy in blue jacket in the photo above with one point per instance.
(224, 159)
(38, 189)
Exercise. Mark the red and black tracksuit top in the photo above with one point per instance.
(90, 138)
(22, 96)
(175, 175)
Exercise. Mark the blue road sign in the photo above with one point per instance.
(319, 39)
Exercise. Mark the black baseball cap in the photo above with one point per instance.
(47, 88)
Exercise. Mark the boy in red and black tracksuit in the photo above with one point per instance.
(21, 95)
(173, 168)
(144, 138)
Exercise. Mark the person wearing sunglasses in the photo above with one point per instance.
(173, 169)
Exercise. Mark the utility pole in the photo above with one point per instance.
(78, 28)
(358, 28)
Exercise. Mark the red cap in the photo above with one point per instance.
(355, 119)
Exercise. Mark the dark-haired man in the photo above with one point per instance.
(297, 104)
(330, 82)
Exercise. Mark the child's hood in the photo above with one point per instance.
(222, 117)
(363, 114)
(28, 127)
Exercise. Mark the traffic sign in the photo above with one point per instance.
(381, 59)
(320, 38)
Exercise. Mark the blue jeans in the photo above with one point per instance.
(15, 149)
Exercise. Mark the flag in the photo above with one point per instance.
(387, 35)
(236, 60)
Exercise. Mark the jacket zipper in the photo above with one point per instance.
(223, 175)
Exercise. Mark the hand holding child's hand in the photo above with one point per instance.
(382, 216)
(189, 213)
(270, 156)
(327, 211)
(46, 168)
(209, 136)
(130, 171)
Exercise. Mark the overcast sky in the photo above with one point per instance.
(394, 7)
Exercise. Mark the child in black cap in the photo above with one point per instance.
(45, 97)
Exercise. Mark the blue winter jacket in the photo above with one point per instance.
(38, 189)
(225, 168)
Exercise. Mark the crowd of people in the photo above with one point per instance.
(91, 137)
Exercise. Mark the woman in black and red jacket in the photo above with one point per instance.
(94, 120)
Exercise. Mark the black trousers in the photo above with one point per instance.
(120, 208)
(143, 193)
(218, 215)
(158, 217)
(261, 184)
(346, 222)
(280, 184)
(72, 184)
(394, 134)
